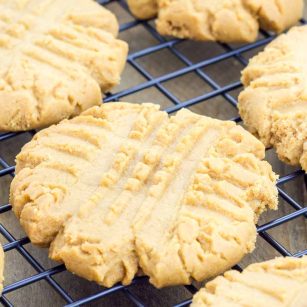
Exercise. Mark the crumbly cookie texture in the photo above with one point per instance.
(281, 282)
(143, 9)
(224, 20)
(123, 186)
(1, 268)
(55, 59)
(273, 104)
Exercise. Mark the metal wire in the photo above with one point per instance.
(217, 90)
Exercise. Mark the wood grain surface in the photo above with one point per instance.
(292, 235)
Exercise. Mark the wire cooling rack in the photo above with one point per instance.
(229, 52)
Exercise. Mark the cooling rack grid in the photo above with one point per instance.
(299, 210)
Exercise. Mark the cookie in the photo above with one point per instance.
(226, 21)
(273, 104)
(123, 186)
(279, 282)
(56, 57)
(143, 9)
(1, 268)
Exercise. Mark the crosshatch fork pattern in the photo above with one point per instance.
(216, 90)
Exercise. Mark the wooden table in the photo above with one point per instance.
(292, 235)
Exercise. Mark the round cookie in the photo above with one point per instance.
(56, 57)
(273, 104)
(223, 20)
(280, 282)
(123, 186)
(143, 9)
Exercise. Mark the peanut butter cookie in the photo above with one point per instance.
(273, 104)
(123, 186)
(281, 282)
(223, 20)
(143, 9)
(56, 57)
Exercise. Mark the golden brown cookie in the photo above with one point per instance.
(281, 282)
(55, 58)
(273, 104)
(123, 186)
(224, 20)
(143, 9)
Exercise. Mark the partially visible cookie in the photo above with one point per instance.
(1, 268)
(123, 186)
(273, 104)
(55, 59)
(224, 20)
(143, 9)
(281, 282)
